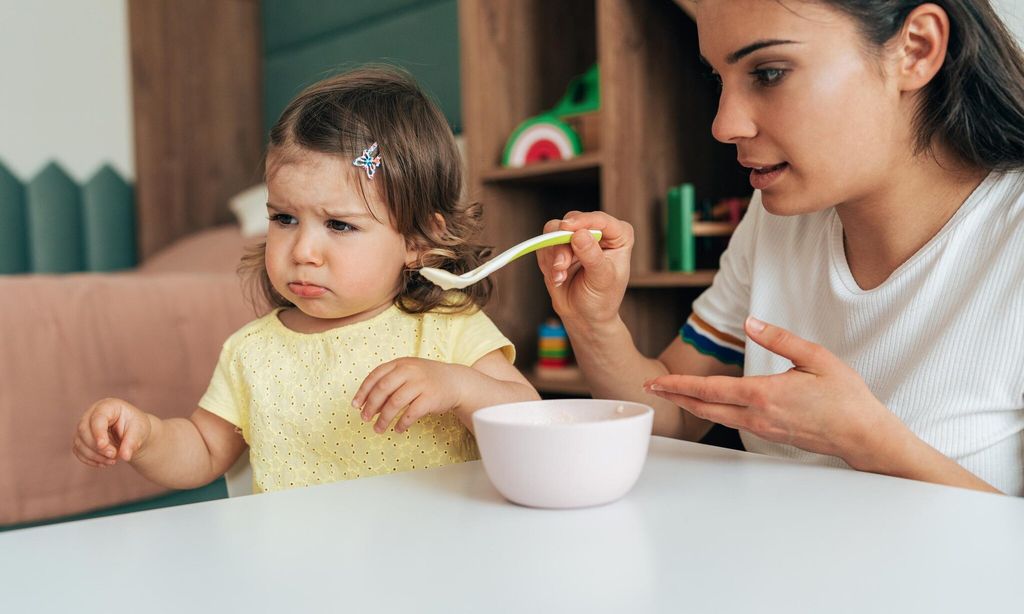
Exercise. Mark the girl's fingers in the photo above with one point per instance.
(420, 407)
(131, 441)
(99, 423)
(399, 400)
(89, 456)
(361, 400)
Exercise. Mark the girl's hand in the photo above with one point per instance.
(820, 405)
(416, 385)
(587, 279)
(110, 430)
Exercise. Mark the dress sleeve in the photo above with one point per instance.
(715, 327)
(223, 396)
(474, 336)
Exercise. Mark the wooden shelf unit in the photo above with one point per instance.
(657, 107)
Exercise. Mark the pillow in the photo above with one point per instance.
(250, 207)
(212, 250)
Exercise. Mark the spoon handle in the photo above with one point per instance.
(558, 237)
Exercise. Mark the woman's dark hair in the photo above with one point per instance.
(420, 177)
(975, 104)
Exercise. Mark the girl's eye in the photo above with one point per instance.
(714, 77)
(339, 226)
(283, 219)
(768, 77)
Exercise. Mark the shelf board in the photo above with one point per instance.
(581, 169)
(713, 229)
(559, 381)
(672, 279)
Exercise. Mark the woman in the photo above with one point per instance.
(869, 311)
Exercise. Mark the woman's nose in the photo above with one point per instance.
(733, 122)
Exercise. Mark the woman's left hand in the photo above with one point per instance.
(415, 385)
(820, 405)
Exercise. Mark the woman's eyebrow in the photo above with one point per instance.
(739, 54)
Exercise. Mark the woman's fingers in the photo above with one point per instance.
(804, 355)
(712, 389)
(732, 416)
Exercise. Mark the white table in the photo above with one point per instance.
(704, 530)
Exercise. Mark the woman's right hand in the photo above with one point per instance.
(110, 430)
(587, 279)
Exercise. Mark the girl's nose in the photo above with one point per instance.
(733, 122)
(307, 249)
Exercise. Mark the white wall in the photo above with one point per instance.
(65, 90)
(1012, 12)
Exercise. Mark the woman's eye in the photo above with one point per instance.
(339, 226)
(283, 219)
(768, 76)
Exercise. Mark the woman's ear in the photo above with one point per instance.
(922, 46)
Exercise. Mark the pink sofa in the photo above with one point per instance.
(151, 336)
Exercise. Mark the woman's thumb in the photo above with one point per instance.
(590, 255)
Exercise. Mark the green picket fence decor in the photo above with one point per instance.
(13, 225)
(53, 225)
(108, 211)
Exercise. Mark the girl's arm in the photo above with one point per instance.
(175, 453)
(415, 387)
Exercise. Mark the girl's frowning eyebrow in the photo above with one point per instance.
(325, 212)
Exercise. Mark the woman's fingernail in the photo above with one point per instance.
(559, 261)
(559, 277)
(755, 324)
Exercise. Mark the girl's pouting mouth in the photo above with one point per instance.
(306, 290)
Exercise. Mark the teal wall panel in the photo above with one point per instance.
(108, 213)
(13, 225)
(299, 22)
(54, 222)
(420, 36)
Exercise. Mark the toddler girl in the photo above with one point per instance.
(363, 367)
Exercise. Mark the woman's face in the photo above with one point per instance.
(807, 105)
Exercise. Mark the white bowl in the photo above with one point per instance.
(564, 453)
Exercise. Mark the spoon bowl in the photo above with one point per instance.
(450, 281)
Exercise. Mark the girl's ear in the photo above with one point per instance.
(922, 46)
(414, 250)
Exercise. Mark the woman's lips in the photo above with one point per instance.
(766, 176)
(306, 290)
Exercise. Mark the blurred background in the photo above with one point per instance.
(131, 141)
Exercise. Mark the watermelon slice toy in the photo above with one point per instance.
(541, 138)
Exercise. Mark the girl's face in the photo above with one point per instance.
(329, 253)
(808, 107)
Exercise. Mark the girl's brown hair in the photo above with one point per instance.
(420, 177)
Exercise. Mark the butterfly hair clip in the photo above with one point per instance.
(368, 161)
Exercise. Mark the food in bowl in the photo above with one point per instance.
(564, 453)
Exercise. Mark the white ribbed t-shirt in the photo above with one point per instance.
(940, 342)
